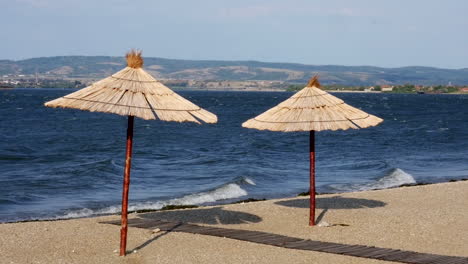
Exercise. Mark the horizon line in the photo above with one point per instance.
(242, 60)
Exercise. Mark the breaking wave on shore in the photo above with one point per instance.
(394, 178)
(226, 191)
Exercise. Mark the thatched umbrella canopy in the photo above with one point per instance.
(133, 92)
(312, 109)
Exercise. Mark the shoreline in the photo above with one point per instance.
(423, 219)
(250, 90)
(242, 201)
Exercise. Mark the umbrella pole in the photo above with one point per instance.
(312, 178)
(126, 184)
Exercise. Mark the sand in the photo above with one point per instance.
(429, 219)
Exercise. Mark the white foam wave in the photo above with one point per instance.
(395, 178)
(224, 192)
(249, 181)
(85, 212)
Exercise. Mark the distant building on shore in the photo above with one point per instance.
(387, 88)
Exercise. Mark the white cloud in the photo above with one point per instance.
(292, 9)
(246, 11)
(348, 11)
(35, 3)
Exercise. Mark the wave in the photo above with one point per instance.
(357, 166)
(395, 178)
(224, 192)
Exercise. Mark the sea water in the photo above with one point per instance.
(65, 163)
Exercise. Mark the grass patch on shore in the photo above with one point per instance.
(249, 200)
(165, 208)
(176, 207)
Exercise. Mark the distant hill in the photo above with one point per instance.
(100, 66)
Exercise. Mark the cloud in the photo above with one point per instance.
(61, 4)
(246, 11)
(291, 9)
(35, 3)
(348, 11)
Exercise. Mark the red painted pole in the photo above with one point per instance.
(126, 185)
(312, 177)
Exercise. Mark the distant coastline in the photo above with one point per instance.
(77, 72)
(235, 85)
(64, 71)
(250, 89)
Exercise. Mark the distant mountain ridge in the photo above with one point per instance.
(101, 66)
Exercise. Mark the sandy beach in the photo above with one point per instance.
(427, 219)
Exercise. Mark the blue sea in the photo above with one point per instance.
(64, 163)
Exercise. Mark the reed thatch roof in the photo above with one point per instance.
(134, 92)
(312, 109)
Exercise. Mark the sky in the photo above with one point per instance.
(391, 33)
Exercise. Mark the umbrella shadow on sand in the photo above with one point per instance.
(335, 202)
(212, 216)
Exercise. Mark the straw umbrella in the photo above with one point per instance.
(312, 109)
(133, 92)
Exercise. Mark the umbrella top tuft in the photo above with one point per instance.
(314, 82)
(134, 59)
